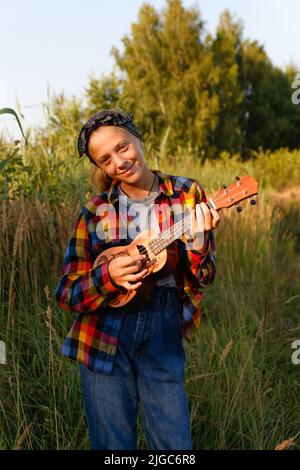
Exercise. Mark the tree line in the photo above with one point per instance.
(191, 89)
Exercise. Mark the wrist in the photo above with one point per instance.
(205, 246)
(110, 277)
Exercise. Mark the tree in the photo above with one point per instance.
(103, 93)
(273, 120)
(227, 54)
(169, 76)
(191, 90)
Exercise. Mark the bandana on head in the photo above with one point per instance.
(106, 117)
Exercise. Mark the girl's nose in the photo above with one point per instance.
(121, 163)
(120, 160)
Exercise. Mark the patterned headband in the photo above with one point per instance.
(106, 117)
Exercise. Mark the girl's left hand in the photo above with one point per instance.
(203, 220)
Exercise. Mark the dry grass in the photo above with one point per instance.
(242, 386)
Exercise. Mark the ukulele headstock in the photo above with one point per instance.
(244, 188)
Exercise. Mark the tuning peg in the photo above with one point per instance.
(238, 208)
(237, 178)
(252, 202)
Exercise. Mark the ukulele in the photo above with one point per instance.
(159, 248)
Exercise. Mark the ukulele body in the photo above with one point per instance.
(154, 263)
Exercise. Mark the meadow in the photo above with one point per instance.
(242, 385)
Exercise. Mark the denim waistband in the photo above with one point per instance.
(163, 296)
(160, 297)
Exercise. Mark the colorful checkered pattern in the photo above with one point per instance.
(85, 290)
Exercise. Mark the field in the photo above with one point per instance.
(242, 385)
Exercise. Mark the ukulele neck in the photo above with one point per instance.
(168, 236)
(244, 188)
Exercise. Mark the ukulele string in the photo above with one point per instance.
(160, 242)
(226, 194)
(174, 232)
(237, 194)
(177, 228)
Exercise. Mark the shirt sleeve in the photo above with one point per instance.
(81, 287)
(200, 264)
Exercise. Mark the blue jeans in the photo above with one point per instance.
(148, 370)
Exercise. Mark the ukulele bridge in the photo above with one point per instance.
(150, 264)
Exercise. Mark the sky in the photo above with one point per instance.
(52, 46)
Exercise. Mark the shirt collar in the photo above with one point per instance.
(165, 186)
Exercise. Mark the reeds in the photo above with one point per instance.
(242, 386)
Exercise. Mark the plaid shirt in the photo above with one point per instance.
(85, 290)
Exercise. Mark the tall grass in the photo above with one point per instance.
(242, 386)
(247, 394)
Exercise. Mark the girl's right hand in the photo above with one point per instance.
(125, 271)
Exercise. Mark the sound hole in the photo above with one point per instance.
(147, 263)
(143, 251)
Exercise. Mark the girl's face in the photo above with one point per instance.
(118, 153)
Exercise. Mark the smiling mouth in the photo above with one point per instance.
(128, 169)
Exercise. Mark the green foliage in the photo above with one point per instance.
(227, 53)
(238, 364)
(273, 120)
(243, 388)
(47, 166)
(209, 93)
(168, 66)
(103, 93)
(13, 112)
(194, 98)
(213, 93)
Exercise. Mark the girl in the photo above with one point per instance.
(133, 356)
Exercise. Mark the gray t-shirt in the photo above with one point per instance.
(146, 220)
